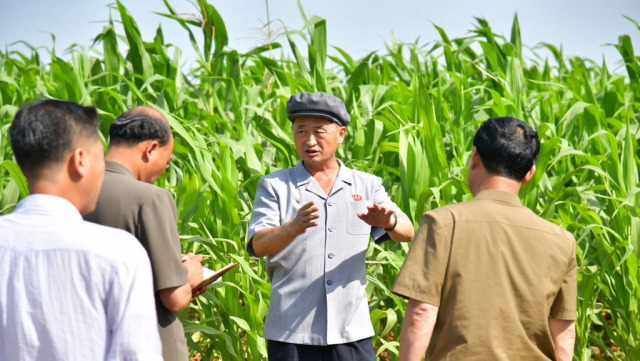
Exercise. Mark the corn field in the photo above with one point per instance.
(414, 111)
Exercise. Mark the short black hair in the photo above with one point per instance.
(507, 146)
(43, 133)
(139, 124)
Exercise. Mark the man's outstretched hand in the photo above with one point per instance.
(378, 216)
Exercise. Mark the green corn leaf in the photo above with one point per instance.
(15, 173)
(137, 53)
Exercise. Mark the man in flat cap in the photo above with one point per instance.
(313, 222)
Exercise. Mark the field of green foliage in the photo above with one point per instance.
(414, 110)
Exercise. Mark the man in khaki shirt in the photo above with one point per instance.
(140, 149)
(488, 279)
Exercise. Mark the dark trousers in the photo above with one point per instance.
(361, 350)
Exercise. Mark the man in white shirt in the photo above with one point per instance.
(66, 293)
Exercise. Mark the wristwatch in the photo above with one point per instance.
(395, 223)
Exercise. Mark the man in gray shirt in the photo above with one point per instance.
(313, 222)
(140, 149)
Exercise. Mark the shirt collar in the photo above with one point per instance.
(49, 204)
(303, 179)
(115, 167)
(345, 174)
(302, 176)
(499, 196)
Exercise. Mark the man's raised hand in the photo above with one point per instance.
(377, 216)
(305, 218)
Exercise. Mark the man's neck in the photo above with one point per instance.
(498, 183)
(325, 174)
(53, 188)
(330, 168)
(123, 157)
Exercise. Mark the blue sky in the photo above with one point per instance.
(582, 27)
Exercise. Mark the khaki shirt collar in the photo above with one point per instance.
(115, 167)
(499, 196)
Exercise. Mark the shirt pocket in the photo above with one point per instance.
(355, 225)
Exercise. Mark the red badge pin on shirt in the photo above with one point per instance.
(357, 197)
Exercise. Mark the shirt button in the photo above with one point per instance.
(329, 282)
(332, 228)
(330, 203)
(331, 255)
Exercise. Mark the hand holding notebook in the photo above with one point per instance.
(210, 276)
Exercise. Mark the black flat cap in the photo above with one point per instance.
(319, 104)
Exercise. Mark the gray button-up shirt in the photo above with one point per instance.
(318, 281)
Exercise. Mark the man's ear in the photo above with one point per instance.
(529, 175)
(341, 134)
(78, 164)
(475, 161)
(149, 150)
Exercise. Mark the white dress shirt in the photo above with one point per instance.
(72, 290)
